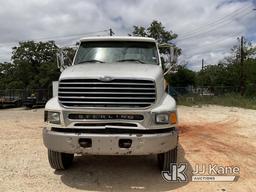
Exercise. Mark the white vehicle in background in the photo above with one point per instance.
(112, 101)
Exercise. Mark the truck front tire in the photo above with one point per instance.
(165, 159)
(60, 161)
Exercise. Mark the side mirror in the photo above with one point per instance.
(60, 60)
(169, 57)
(173, 55)
(63, 60)
(171, 66)
(166, 65)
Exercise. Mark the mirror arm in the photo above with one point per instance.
(167, 71)
(58, 63)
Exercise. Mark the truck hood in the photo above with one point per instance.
(115, 70)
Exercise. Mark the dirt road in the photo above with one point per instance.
(216, 135)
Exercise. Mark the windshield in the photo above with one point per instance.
(117, 51)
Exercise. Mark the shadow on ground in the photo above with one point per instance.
(119, 173)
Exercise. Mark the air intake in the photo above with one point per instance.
(115, 93)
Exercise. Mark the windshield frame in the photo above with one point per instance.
(154, 46)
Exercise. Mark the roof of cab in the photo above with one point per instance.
(117, 38)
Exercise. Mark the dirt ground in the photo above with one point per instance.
(209, 134)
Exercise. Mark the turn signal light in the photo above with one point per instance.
(172, 118)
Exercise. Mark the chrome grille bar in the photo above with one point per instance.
(116, 93)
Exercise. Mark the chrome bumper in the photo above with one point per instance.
(108, 144)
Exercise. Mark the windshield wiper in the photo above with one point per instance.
(124, 60)
(91, 61)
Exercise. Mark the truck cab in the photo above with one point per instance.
(112, 101)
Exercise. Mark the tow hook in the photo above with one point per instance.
(85, 143)
(125, 143)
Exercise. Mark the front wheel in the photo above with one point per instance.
(60, 161)
(165, 159)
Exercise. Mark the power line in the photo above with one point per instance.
(209, 46)
(220, 19)
(216, 42)
(214, 28)
(72, 35)
(56, 37)
(219, 41)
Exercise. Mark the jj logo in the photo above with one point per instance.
(176, 173)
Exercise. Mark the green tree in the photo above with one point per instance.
(157, 31)
(35, 64)
(182, 78)
(228, 71)
(8, 76)
(213, 75)
(139, 31)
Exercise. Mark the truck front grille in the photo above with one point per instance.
(115, 93)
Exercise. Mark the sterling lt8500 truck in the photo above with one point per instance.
(112, 101)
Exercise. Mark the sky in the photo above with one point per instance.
(207, 29)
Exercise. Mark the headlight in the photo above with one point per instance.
(165, 118)
(52, 117)
(162, 118)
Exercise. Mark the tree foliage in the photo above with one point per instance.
(228, 71)
(35, 63)
(226, 74)
(157, 31)
(182, 78)
(8, 76)
(33, 66)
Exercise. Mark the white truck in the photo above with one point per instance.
(112, 101)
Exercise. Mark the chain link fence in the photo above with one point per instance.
(24, 97)
(219, 95)
(222, 95)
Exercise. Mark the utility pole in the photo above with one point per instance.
(202, 64)
(242, 86)
(111, 33)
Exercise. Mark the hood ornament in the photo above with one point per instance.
(105, 78)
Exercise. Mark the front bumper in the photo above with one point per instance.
(108, 144)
